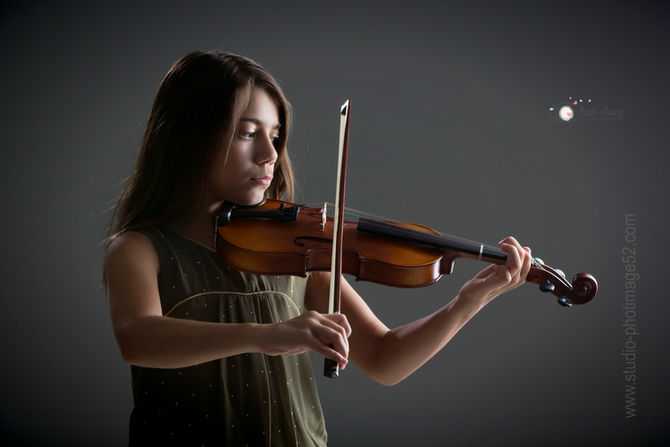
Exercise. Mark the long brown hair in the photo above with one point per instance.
(195, 113)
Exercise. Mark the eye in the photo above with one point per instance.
(248, 135)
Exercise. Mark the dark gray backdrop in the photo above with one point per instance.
(450, 127)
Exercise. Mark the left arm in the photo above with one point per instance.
(390, 355)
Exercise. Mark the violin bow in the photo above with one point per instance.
(331, 368)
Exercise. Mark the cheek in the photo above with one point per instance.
(218, 171)
(236, 158)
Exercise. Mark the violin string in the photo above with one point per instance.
(352, 212)
(349, 212)
(364, 214)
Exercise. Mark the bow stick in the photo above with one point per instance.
(331, 368)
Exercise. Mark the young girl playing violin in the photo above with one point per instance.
(218, 356)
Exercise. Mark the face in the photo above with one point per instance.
(243, 176)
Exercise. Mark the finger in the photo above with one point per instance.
(518, 268)
(527, 261)
(511, 240)
(322, 329)
(323, 338)
(330, 353)
(513, 263)
(521, 252)
(335, 341)
(338, 323)
(331, 333)
(342, 321)
(524, 254)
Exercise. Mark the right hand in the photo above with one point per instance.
(325, 334)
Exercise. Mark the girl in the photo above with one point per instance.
(219, 356)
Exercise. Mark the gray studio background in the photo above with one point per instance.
(450, 127)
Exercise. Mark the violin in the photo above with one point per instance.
(277, 237)
(283, 238)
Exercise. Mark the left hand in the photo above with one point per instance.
(497, 279)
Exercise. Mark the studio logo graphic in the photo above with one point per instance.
(578, 109)
(566, 113)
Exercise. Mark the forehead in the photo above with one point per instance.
(261, 108)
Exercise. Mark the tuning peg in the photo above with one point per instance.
(565, 301)
(547, 286)
(560, 272)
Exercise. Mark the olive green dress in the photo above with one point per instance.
(249, 399)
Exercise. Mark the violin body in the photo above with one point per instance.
(295, 248)
(257, 240)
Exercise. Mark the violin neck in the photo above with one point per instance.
(454, 244)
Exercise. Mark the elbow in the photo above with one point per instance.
(127, 339)
(393, 381)
(128, 352)
(387, 366)
(386, 378)
(129, 355)
(390, 381)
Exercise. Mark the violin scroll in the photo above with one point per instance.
(582, 289)
(585, 287)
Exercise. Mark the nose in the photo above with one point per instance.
(266, 152)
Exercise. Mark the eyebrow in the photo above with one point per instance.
(257, 121)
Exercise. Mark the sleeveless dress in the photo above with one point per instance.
(249, 399)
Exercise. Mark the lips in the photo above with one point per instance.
(262, 180)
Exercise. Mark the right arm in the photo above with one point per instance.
(147, 338)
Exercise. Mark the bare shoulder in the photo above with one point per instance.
(129, 240)
(131, 247)
(131, 269)
(131, 264)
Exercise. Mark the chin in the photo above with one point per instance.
(250, 200)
